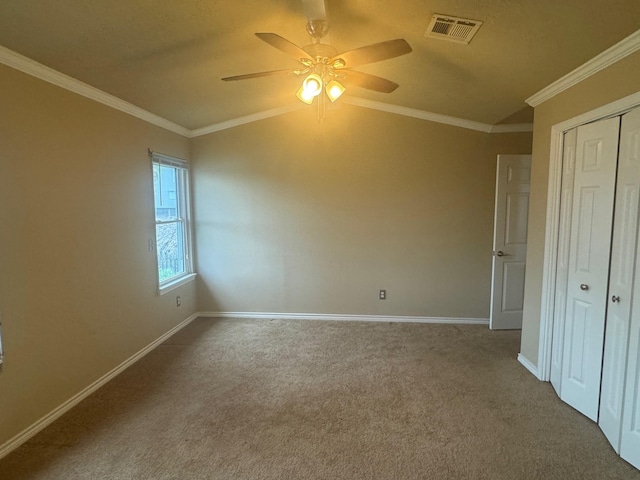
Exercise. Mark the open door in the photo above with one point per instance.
(510, 241)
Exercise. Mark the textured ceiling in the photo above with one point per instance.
(168, 57)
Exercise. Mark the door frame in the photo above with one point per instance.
(618, 107)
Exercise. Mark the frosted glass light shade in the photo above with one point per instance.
(305, 96)
(311, 87)
(334, 90)
(313, 84)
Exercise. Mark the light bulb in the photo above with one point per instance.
(313, 84)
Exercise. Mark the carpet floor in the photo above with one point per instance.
(274, 399)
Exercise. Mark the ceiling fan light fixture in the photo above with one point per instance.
(324, 64)
(334, 90)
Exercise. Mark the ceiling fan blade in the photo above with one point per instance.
(368, 81)
(261, 74)
(283, 45)
(374, 53)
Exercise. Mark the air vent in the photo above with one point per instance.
(453, 29)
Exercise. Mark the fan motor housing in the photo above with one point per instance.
(320, 50)
(317, 28)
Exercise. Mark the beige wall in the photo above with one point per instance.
(293, 215)
(78, 292)
(617, 81)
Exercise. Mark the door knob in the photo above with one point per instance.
(584, 287)
(615, 299)
(499, 253)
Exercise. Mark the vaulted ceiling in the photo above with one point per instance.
(168, 57)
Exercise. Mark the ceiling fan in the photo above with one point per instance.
(326, 69)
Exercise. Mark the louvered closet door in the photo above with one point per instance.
(591, 223)
(621, 279)
(630, 435)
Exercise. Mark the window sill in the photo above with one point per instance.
(167, 287)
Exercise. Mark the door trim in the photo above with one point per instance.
(553, 218)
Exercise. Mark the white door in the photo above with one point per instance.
(510, 241)
(591, 223)
(562, 271)
(630, 441)
(623, 254)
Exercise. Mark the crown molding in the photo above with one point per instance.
(610, 56)
(383, 107)
(438, 118)
(511, 128)
(254, 117)
(420, 114)
(38, 70)
(47, 74)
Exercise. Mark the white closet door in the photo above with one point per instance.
(562, 272)
(591, 223)
(630, 441)
(623, 254)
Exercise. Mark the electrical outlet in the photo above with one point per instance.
(178, 301)
(382, 295)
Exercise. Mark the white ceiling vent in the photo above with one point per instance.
(453, 29)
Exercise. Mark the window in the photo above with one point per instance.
(172, 218)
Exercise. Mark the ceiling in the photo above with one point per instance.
(168, 57)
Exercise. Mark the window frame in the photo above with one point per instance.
(183, 218)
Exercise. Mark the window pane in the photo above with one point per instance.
(165, 185)
(170, 192)
(170, 241)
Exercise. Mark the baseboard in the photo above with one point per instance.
(26, 434)
(346, 317)
(528, 365)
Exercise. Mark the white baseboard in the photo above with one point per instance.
(346, 317)
(29, 432)
(529, 365)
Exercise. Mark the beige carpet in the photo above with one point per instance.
(243, 399)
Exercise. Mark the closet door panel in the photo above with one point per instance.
(590, 244)
(630, 441)
(623, 253)
(625, 340)
(562, 272)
